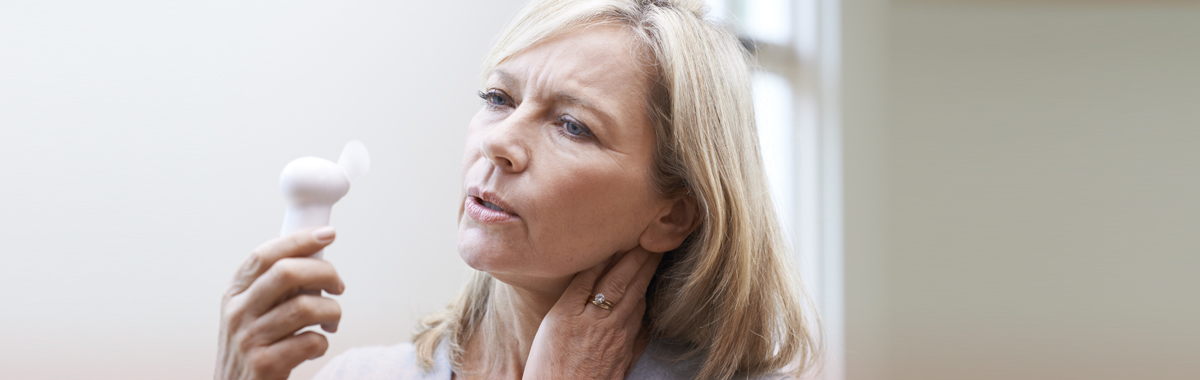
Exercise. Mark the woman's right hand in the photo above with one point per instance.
(275, 294)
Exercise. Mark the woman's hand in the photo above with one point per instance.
(274, 294)
(580, 340)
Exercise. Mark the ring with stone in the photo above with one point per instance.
(598, 300)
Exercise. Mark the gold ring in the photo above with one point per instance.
(599, 301)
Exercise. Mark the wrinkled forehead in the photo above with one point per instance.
(608, 52)
(598, 41)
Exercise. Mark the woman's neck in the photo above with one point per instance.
(500, 344)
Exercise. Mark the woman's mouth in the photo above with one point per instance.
(490, 205)
(483, 207)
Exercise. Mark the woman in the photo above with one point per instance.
(613, 205)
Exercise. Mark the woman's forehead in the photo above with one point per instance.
(592, 67)
(597, 54)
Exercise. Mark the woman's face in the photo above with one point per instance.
(556, 174)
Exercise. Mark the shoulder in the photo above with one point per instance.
(397, 362)
(661, 360)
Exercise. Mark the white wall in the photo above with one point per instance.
(1043, 178)
(143, 141)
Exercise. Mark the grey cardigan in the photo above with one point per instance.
(399, 362)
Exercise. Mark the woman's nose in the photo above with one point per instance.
(504, 146)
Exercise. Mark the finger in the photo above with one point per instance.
(288, 353)
(286, 278)
(294, 314)
(616, 282)
(633, 323)
(633, 329)
(580, 289)
(640, 282)
(302, 243)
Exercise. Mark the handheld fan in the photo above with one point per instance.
(311, 185)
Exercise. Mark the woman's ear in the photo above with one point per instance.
(671, 226)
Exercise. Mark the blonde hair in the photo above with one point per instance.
(730, 293)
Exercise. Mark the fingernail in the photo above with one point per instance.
(323, 234)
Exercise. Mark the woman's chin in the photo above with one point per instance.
(503, 261)
(490, 251)
(483, 252)
(476, 261)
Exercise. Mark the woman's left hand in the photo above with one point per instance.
(580, 340)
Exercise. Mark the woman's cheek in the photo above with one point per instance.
(583, 242)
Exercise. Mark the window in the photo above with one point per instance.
(795, 102)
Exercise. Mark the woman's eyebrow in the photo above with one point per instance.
(504, 77)
(570, 99)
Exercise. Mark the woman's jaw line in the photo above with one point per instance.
(545, 289)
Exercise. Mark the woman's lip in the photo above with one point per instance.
(483, 214)
(490, 197)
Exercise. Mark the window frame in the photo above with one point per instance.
(809, 60)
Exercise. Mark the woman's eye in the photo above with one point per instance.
(496, 100)
(493, 98)
(575, 129)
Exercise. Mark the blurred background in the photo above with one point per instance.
(976, 189)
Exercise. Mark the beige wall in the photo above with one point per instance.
(1041, 195)
(864, 121)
